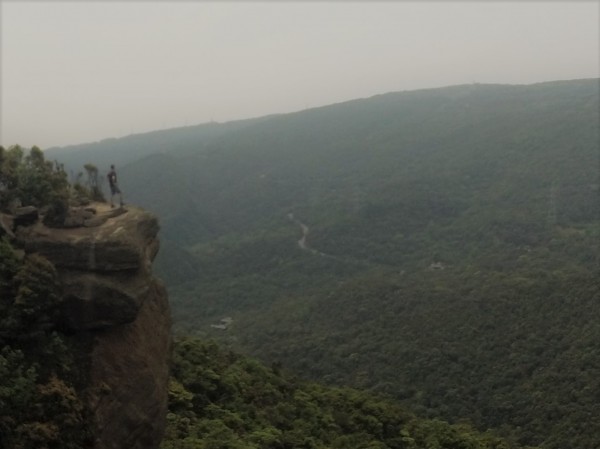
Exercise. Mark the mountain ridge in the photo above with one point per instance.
(59, 151)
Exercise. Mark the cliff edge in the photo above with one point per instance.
(118, 312)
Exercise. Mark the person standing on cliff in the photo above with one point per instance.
(114, 186)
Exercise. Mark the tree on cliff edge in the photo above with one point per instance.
(33, 181)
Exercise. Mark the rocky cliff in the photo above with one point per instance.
(118, 312)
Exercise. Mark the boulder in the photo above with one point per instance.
(73, 221)
(93, 301)
(25, 216)
(94, 222)
(77, 216)
(118, 241)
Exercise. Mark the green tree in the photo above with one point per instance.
(32, 180)
(94, 182)
(10, 160)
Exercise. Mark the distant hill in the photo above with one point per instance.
(456, 247)
(121, 151)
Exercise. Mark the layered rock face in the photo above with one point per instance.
(112, 300)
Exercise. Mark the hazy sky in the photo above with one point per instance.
(76, 72)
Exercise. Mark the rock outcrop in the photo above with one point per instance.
(113, 302)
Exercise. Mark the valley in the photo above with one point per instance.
(438, 247)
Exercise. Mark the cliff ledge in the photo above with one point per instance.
(120, 312)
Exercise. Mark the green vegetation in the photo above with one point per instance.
(92, 188)
(221, 400)
(38, 403)
(462, 233)
(500, 350)
(39, 406)
(33, 181)
(217, 399)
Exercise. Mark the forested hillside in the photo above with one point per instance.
(219, 399)
(39, 369)
(451, 256)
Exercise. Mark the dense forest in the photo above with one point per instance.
(217, 399)
(451, 247)
(39, 405)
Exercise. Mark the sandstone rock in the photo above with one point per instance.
(73, 221)
(94, 222)
(93, 301)
(118, 313)
(83, 216)
(129, 378)
(118, 244)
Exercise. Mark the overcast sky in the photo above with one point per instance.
(76, 72)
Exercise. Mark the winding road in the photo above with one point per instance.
(302, 242)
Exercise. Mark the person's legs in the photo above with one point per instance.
(113, 191)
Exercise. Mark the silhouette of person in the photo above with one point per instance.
(114, 186)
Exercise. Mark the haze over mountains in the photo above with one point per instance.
(456, 236)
